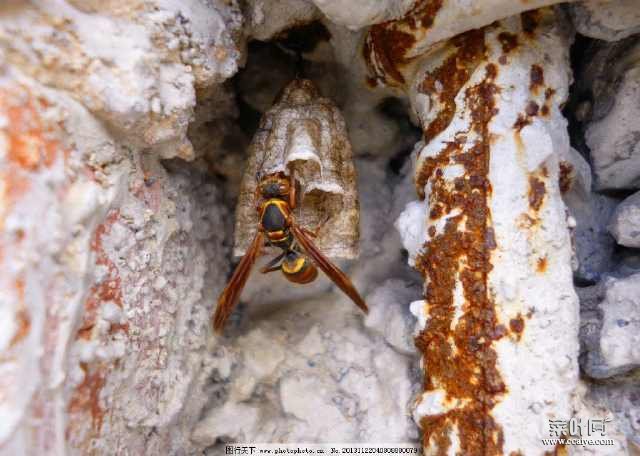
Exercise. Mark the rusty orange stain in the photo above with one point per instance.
(390, 47)
(549, 93)
(459, 358)
(559, 450)
(509, 41)
(22, 317)
(566, 176)
(517, 326)
(20, 235)
(450, 77)
(109, 289)
(541, 264)
(537, 78)
(446, 81)
(31, 144)
(388, 44)
(13, 184)
(519, 145)
(521, 122)
(531, 110)
(537, 192)
(526, 221)
(530, 20)
(86, 397)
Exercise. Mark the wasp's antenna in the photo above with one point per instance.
(299, 65)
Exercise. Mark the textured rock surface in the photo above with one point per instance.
(124, 241)
(356, 14)
(299, 377)
(612, 327)
(594, 245)
(613, 79)
(267, 18)
(105, 252)
(625, 223)
(609, 20)
(136, 66)
(591, 212)
(623, 400)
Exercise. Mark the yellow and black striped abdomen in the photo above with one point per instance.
(298, 268)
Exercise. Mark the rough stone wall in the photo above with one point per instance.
(605, 131)
(124, 129)
(107, 254)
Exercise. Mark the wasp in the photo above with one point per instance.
(300, 258)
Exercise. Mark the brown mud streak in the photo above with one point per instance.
(537, 191)
(508, 41)
(517, 326)
(566, 176)
(530, 21)
(462, 252)
(389, 43)
(537, 78)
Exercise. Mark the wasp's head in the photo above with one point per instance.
(275, 186)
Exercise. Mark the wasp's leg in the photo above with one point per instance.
(271, 266)
(257, 198)
(292, 190)
(312, 233)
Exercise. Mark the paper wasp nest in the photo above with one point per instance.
(304, 134)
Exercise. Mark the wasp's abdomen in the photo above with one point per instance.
(299, 270)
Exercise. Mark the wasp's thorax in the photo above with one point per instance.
(275, 210)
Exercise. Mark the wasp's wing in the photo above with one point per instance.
(231, 294)
(330, 269)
